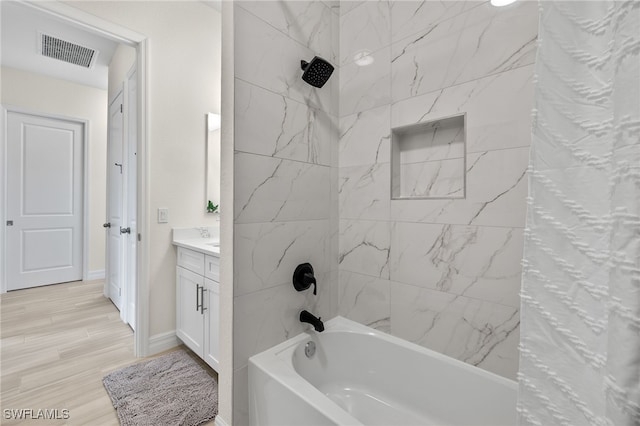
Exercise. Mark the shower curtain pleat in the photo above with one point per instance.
(580, 314)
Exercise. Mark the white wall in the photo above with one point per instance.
(441, 273)
(44, 94)
(123, 59)
(184, 84)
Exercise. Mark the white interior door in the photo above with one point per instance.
(132, 208)
(44, 200)
(114, 266)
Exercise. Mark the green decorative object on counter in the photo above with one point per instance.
(211, 208)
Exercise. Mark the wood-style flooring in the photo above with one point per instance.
(57, 343)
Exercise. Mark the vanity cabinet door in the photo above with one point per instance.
(189, 315)
(212, 324)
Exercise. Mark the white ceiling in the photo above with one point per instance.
(20, 27)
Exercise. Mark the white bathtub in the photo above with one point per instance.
(360, 376)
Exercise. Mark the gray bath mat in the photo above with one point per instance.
(169, 390)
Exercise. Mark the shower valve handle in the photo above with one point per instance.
(303, 278)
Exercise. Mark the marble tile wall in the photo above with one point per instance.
(312, 173)
(441, 273)
(286, 176)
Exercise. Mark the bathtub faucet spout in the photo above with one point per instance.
(308, 317)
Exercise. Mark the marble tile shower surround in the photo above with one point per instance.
(274, 189)
(283, 128)
(480, 333)
(285, 166)
(308, 22)
(441, 273)
(470, 46)
(312, 174)
(475, 261)
(460, 42)
(268, 54)
(273, 251)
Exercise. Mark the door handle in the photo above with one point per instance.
(202, 308)
(106, 225)
(198, 297)
(124, 230)
(9, 223)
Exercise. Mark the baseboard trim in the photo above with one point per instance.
(96, 275)
(162, 342)
(219, 421)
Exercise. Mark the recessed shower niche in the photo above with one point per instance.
(428, 160)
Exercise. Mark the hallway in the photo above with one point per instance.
(57, 343)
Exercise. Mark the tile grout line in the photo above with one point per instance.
(428, 289)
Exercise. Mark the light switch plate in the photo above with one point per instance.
(163, 215)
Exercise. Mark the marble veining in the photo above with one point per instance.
(308, 22)
(363, 88)
(365, 299)
(436, 142)
(497, 107)
(433, 179)
(271, 60)
(367, 27)
(409, 17)
(270, 189)
(495, 194)
(267, 253)
(281, 127)
(334, 5)
(365, 137)
(480, 333)
(365, 247)
(263, 328)
(474, 261)
(467, 47)
(364, 192)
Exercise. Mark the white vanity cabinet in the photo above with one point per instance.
(212, 323)
(198, 303)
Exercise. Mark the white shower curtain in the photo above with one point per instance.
(580, 335)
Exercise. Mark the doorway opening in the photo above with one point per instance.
(135, 310)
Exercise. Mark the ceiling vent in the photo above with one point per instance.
(66, 51)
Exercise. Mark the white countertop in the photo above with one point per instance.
(191, 238)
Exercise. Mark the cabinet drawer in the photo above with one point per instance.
(212, 268)
(191, 260)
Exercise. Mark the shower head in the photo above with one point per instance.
(316, 72)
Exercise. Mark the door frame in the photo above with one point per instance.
(128, 311)
(85, 123)
(141, 43)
